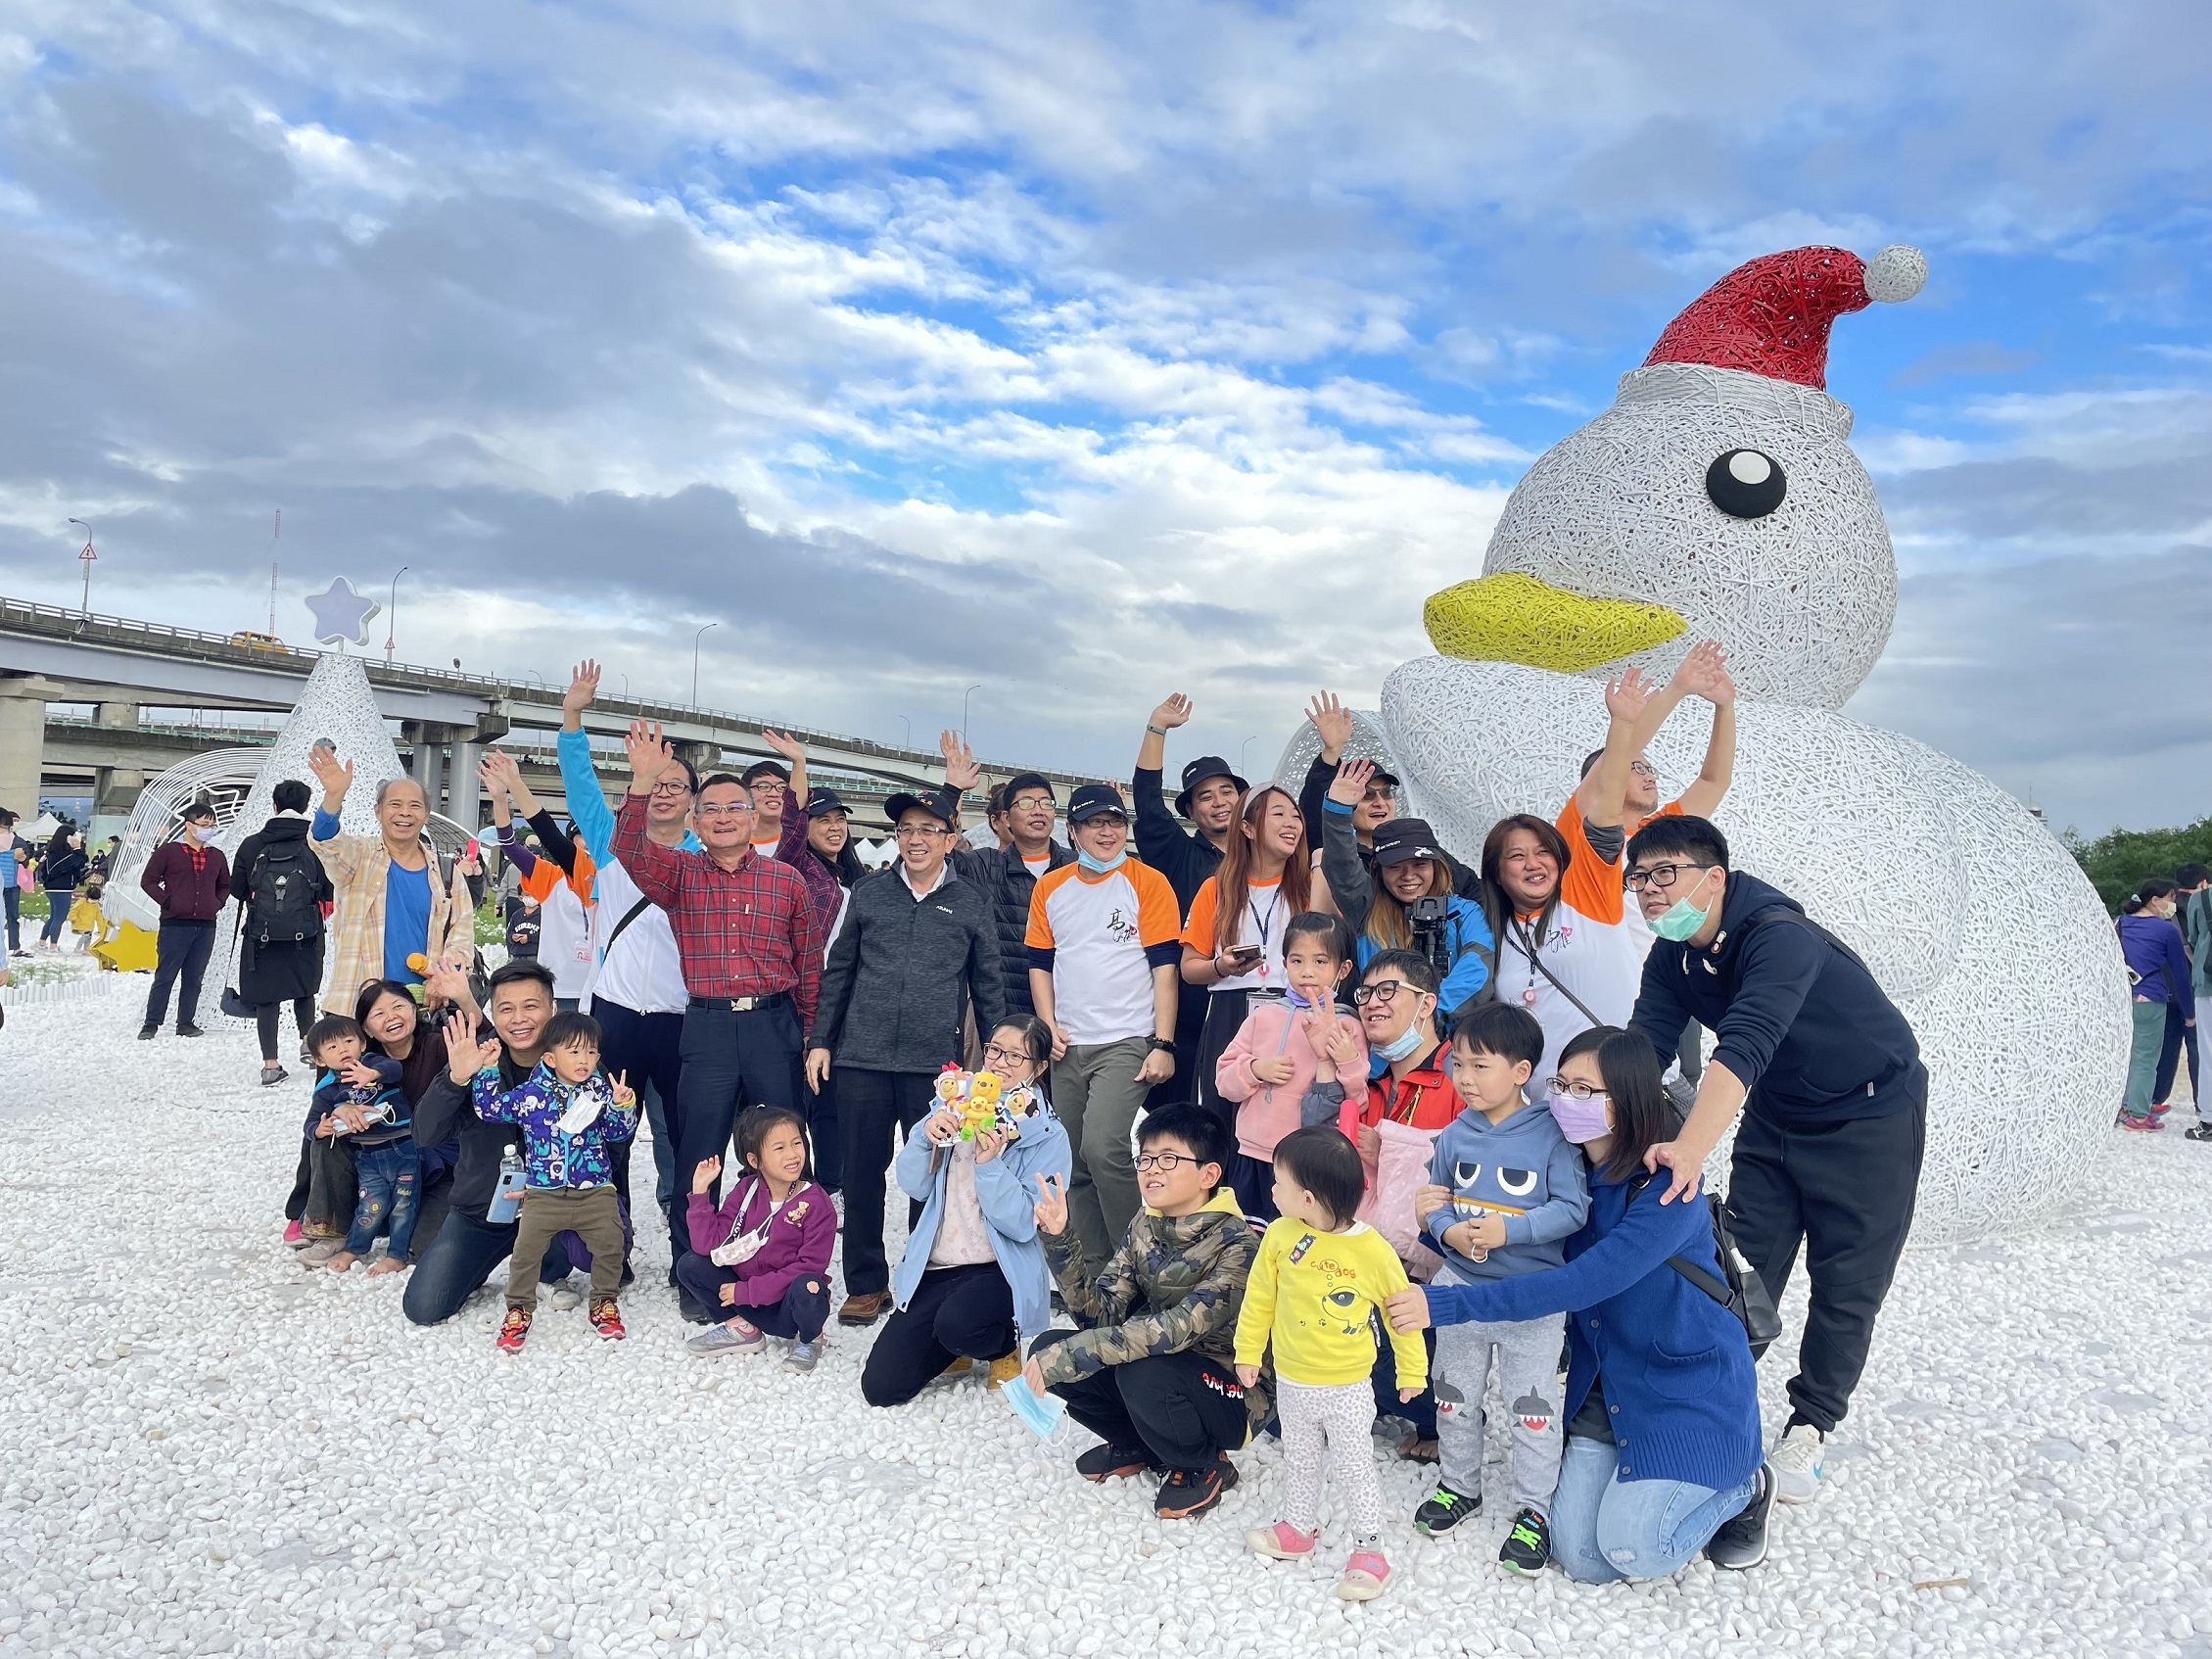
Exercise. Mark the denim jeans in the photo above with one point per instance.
(457, 1263)
(1604, 1529)
(390, 1179)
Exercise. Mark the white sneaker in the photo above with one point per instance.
(567, 1294)
(1797, 1460)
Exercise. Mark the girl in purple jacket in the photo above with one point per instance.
(762, 1258)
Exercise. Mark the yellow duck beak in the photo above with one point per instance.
(1515, 618)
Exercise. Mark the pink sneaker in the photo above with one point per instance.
(1281, 1540)
(294, 1235)
(1366, 1574)
(2143, 1126)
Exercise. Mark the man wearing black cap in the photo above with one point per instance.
(191, 881)
(1008, 874)
(1210, 798)
(918, 943)
(768, 783)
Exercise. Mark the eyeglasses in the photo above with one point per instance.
(1660, 876)
(1380, 792)
(920, 832)
(1166, 1162)
(1031, 803)
(1000, 1057)
(672, 786)
(1382, 992)
(723, 809)
(1643, 768)
(1575, 1091)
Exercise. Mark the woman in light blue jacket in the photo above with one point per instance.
(973, 1283)
(1377, 904)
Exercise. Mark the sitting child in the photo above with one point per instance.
(761, 1259)
(1506, 1190)
(357, 1096)
(1286, 1043)
(1320, 1278)
(569, 1114)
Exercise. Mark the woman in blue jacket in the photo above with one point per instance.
(974, 1282)
(1409, 866)
(2158, 969)
(1662, 1454)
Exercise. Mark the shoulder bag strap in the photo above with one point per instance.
(627, 917)
(1537, 961)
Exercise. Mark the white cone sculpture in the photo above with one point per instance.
(1718, 498)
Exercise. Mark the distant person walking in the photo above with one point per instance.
(191, 882)
(61, 872)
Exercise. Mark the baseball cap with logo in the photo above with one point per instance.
(1404, 838)
(1091, 799)
(1200, 771)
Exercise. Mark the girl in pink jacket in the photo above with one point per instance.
(1286, 1043)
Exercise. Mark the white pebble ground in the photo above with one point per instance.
(211, 1451)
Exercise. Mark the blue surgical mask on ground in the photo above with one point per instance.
(1038, 1416)
(1098, 866)
(1401, 1045)
(1681, 920)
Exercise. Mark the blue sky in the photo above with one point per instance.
(1091, 352)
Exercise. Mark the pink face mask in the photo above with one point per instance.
(1580, 1120)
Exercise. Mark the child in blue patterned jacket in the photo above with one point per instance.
(569, 1114)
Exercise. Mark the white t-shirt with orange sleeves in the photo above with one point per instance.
(1587, 945)
(1100, 937)
(1267, 916)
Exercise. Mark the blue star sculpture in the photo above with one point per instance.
(341, 614)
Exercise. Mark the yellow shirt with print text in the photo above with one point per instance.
(1311, 1294)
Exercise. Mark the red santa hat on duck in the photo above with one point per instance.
(1770, 315)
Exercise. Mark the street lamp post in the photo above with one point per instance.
(1244, 755)
(907, 721)
(696, 638)
(964, 695)
(85, 559)
(392, 615)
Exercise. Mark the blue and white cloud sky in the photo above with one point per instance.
(1090, 352)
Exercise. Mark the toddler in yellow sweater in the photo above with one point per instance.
(1315, 1297)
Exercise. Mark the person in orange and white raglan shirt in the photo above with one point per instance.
(1567, 951)
(1104, 949)
(560, 880)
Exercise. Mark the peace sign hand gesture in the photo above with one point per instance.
(1051, 1210)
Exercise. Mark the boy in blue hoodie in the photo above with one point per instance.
(1505, 1190)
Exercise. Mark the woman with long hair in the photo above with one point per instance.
(1233, 939)
(61, 872)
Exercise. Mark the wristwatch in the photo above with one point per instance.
(1159, 1045)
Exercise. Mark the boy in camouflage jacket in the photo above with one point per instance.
(1154, 1373)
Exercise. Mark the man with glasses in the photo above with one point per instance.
(918, 946)
(635, 986)
(748, 947)
(768, 783)
(1827, 1076)
(1104, 960)
(1007, 873)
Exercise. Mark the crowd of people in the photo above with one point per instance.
(1303, 1121)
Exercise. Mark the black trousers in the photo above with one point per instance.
(179, 948)
(869, 1105)
(955, 1310)
(825, 1132)
(1182, 1408)
(1842, 1192)
(2179, 1035)
(800, 1313)
(1225, 1013)
(646, 1050)
(265, 1023)
(730, 1061)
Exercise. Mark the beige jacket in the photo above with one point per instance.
(357, 867)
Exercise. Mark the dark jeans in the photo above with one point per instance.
(1254, 1183)
(390, 1180)
(729, 1061)
(2180, 1036)
(457, 1263)
(11, 899)
(1183, 1408)
(1844, 1192)
(869, 1103)
(646, 1048)
(800, 1314)
(955, 1310)
(827, 1134)
(181, 947)
(265, 1023)
(1420, 1409)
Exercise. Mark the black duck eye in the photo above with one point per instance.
(1746, 484)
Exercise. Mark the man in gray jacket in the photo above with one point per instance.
(917, 944)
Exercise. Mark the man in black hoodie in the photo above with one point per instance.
(1827, 1075)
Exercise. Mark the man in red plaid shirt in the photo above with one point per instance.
(751, 949)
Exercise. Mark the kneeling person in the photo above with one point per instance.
(762, 1261)
(1156, 1374)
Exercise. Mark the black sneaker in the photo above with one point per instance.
(690, 1307)
(1444, 1509)
(1528, 1543)
(1741, 1543)
(190, 1032)
(2197, 1132)
(1188, 1493)
(147, 1034)
(1111, 1463)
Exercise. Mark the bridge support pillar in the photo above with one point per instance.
(22, 742)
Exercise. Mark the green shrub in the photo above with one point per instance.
(2116, 862)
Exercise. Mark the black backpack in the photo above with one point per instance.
(281, 894)
(1738, 1287)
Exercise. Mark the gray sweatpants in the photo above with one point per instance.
(1528, 1353)
(1097, 1094)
